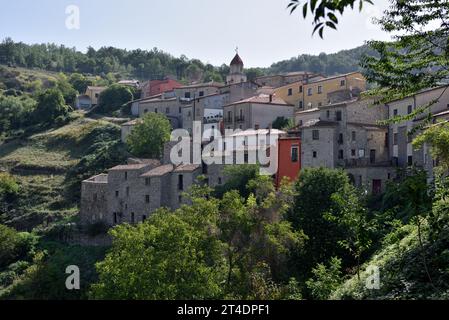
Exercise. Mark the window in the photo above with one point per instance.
(320, 104)
(342, 83)
(314, 154)
(187, 95)
(126, 175)
(167, 110)
(181, 182)
(409, 109)
(95, 197)
(309, 91)
(340, 154)
(395, 112)
(352, 152)
(395, 139)
(353, 135)
(410, 161)
(201, 93)
(127, 191)
(290, 91)
(409, 138)
(116, 194)
(180, 110)
(294, 154)
(328, 114)
(229, 116)
(147, 181)
(155, 110)
(372, 156)
(133, 217)
(220, 180)
(147, 198)
(145, 111)
(144, 217)
(300, 123)
(320, 89)
(115, 218)
(300, 89)
(340, 138)
(97, 95)
(316, 134)
(301, 105)
(338, 115)
(189, 114)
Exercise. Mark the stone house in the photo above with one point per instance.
(256, 112)
(400, 140)
(317, 92)
(131, 193)
(347, 135)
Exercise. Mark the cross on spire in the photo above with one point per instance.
(237, 50)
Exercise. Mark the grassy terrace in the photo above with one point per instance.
(39, 164)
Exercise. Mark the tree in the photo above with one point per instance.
(80, 82)
(325, 280)
(167, 257)
(437, 137)
(50, 105)
(113, 98)
(313, 202)
(282, 123)
(148, 137)
(237, 178)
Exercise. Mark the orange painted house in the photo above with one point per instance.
(289, 158)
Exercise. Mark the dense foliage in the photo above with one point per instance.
(148, 136)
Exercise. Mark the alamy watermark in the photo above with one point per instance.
(72, 21)
(234, 147)
(72, 282)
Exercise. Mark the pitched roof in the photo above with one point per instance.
(129, 167)
(158, 171)
(237, 60)
(187, 167)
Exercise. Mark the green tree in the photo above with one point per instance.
(148, 137)
(316, 190)
(166, 257)
(237, 178)
(113, 98)
(325, 279)
(50, 105)
(80, 82)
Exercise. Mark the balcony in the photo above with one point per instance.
(364, 162)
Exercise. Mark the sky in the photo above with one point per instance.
(209, 30)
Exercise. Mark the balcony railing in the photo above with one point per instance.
(364, 162)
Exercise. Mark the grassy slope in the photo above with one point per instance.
(40, 163)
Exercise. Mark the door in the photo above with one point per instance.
(377, 186)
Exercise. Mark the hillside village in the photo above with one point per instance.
(335, 126)
(302, 183)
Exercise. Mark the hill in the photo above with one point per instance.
(156, 64)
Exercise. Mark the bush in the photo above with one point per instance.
(325, 280)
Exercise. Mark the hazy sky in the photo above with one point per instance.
(210, 30)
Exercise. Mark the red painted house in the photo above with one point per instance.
(155, 87)
(289, 158)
